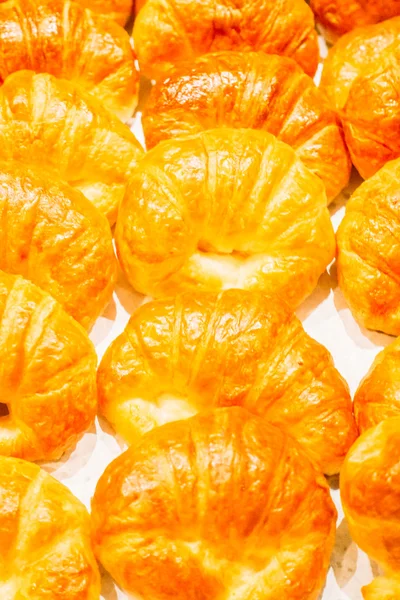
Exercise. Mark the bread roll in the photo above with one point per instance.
(52, 235)
(167, 32)
(368, 259)
(378, 396)
(62, 38)
(119, 10)
(45, 544)
(357, 54)
(221, 209)
(366, 65)
(47, 374)
(55, 126)
(370, 491)
(177, 357)
(257, 91)
(340, 16)
(221, 505)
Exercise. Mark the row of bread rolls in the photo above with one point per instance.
(219, 503)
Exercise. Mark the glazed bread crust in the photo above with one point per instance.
(256, 91)
(57, 127)
(361, 77)
(222, 209)
(177, 357)
(62, 38)
(47, 373)
(53, 236)
(340, 16)
(219, 505)
(167, 32)
(118, 10)
(369, 251)
(45, 544)
(370, 492)
(378, 396)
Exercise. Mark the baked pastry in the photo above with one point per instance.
(370, 491)
(62, 38)
(369, 250)
(340, 16)
(221, 209)
(179, 356)
(378, 396)
(52, 235)
(168, 32)
(52, 124)
(257, 91)
(45, 544)
(119, 10)
(361, 76)
(47, 374)
(216, 506)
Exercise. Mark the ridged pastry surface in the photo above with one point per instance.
(167, 32)
(45, 544)
(362, 77)
(223, 209)
(369, 250)
(52, 235)
(202, 350)
(53, 125)
(47, 373)
(370, 492)
(256, 91)
(221, 505)
(62, 38)
(119, 10)
(378, 396)
(340, 16)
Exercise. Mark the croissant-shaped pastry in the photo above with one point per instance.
(119, 10)
(52, 124)
(216, 506)
(378, 396)
(257, 91)
(203, 349)
(62, 38)
(45, 544)
(369, 251)
(52, 235)
(357, 54)
(371, 111)
(47, 374)
(221, 209)
(370, 492)
(167, 32)
(340, 16)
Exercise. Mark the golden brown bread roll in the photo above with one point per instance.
(362, 75)
(257, 91)
(221, 209)
(167, 32)
(369, 251)
(221, 505)
(378, 396)
(177, 357)
(45, 544)
(355, 54)
(62, 38)
(119, 10)
(53, 125)
(52, 235)
(370, 491)
(47, 375)
(340, 16)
